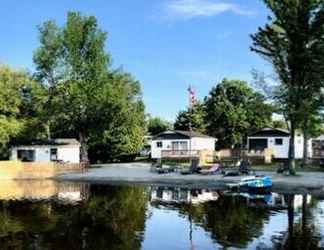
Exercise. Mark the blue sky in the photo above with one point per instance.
(165, 44)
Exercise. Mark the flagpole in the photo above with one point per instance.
(190, 122)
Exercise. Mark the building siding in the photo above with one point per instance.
(281, 151)
(196, 144)
(69, 154)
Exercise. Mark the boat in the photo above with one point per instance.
(252, 184)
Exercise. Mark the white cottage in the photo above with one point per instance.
(278, 141)
(180, 144)
(63, 150)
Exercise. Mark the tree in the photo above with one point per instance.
(124, 123)
(20, 107)
(72, 62)
(233, 110)
(196, 117)
(293, 42)
(156, 125)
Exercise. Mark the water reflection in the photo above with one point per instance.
(50, 215)
(43, 189)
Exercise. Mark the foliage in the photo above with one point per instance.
(123, 133)
(196, 117)
(156, 125)
(111, 218)
(20, 107)
(293, 41)
(233, 109)
(103, 108)
(279, 124)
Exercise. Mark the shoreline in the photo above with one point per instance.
(139, 174)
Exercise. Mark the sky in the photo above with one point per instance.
(165, 44)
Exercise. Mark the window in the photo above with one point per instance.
(179, 145)
(279, 141)
(53, 154)
(26, 155)
(159, 144)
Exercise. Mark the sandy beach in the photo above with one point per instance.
(139, 173)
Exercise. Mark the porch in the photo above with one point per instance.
(180, 153)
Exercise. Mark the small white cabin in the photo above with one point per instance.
(61, 150)
(278, 141)
(180, 143)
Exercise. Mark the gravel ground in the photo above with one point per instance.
(139, 173)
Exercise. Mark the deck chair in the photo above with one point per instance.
(216, 168)
(283, 168)
(193, 168)
(244, 168)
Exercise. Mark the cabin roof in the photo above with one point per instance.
(180, 134)
(270, 132)
(49, 142)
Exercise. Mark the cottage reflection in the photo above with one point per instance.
(180, 195)
(271, 200)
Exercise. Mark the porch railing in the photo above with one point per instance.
(180, 153)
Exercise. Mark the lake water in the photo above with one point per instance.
(50, 215)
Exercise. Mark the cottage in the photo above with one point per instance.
(278, 141)
(180, 144)
(63, 150)
(318, 147)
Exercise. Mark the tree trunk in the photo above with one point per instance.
(291, 216)
(83, 149)
(48, 131)
(304, 213)
(305, 149)
(291, 152)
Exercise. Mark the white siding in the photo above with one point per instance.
(166, 145)
(69, 154)
(197, 143)
(43, 153)
(281, 151)
(203, 143)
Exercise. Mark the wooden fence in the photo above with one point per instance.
(35, 170)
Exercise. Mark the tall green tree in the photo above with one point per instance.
(21, 101)
(293, 42)
(72, 62)
(121, 137)
(194, 118)
(233, 110)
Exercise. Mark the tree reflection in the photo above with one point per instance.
(302, 233)
(231, 222)
(112, 218)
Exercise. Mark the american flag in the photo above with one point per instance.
(192, 97)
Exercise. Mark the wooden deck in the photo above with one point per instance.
(180, 153)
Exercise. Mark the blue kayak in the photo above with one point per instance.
(253, 183)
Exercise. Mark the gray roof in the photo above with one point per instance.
(51, 142)
(180, 134)
(270, 132)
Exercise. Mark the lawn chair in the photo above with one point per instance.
(193, 168)
(244, 168)
(283, 168)
(158, 167)
(216, 168)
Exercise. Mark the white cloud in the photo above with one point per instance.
(189, 9)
